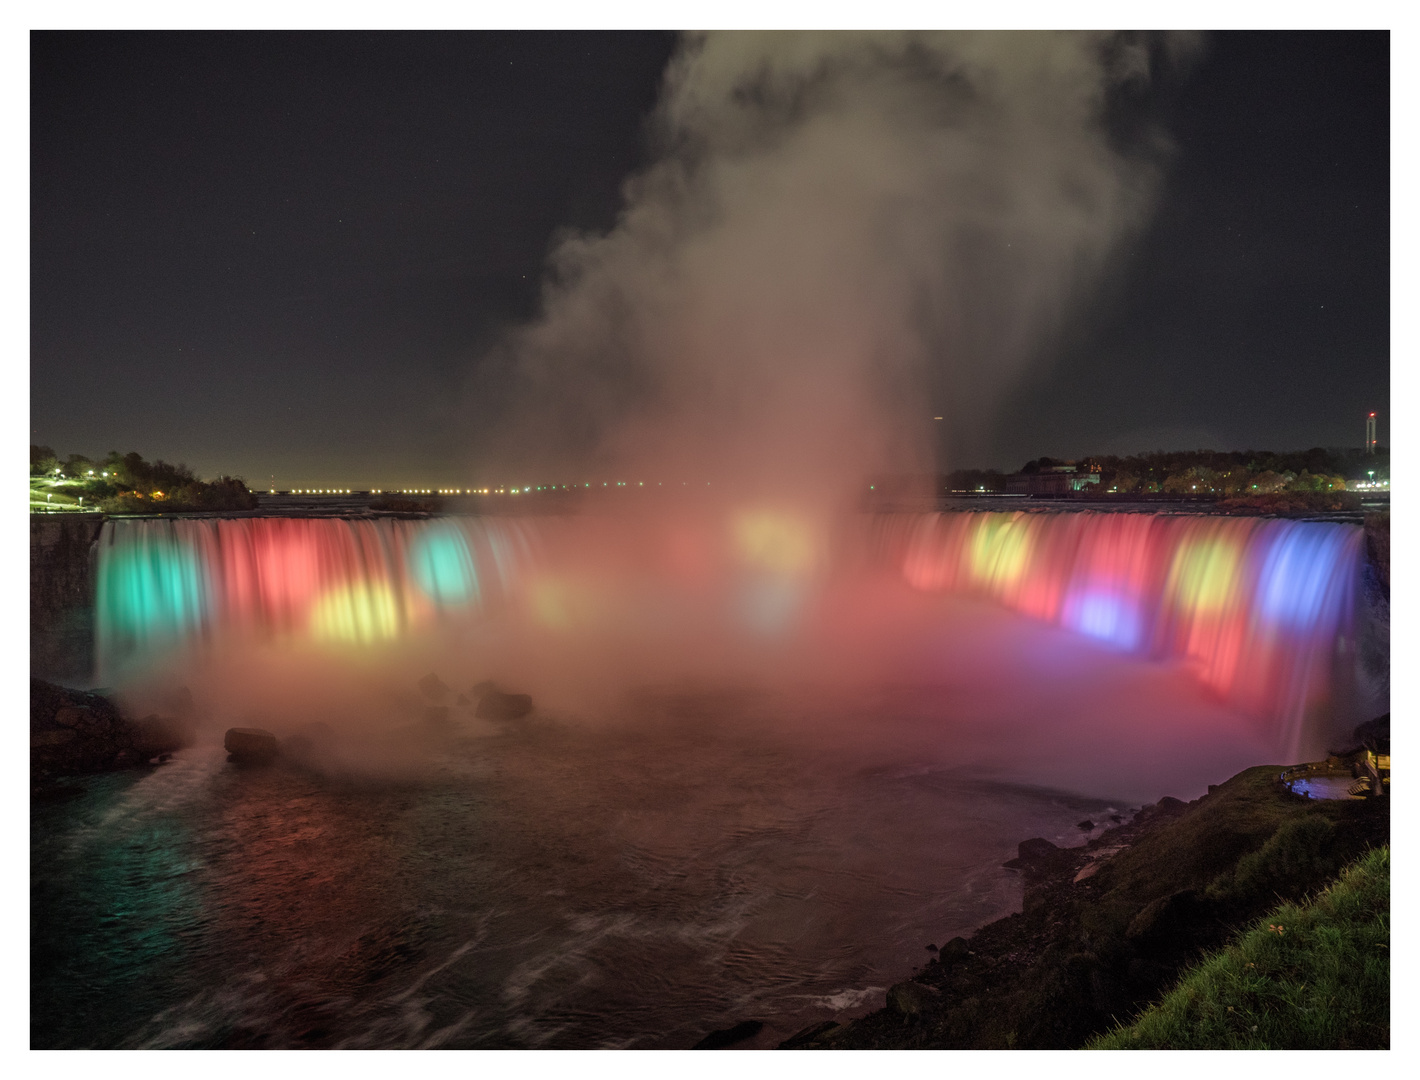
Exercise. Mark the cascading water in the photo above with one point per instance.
(163, 584)
(1261, 610)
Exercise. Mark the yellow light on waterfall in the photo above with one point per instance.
(999, 549)
(360, 613)
(1203, 573)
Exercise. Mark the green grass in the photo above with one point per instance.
(1309, 976)
(52, 494)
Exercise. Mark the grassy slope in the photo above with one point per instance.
(1307, 976)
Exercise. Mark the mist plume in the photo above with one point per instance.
(842, 236)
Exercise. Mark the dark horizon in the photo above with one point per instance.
(291, 254)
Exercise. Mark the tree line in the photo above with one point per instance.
(126, 483)
(1222, 474)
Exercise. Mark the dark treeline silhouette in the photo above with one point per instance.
(1221, 474)
(126, 483)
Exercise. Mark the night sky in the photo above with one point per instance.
(290, 254)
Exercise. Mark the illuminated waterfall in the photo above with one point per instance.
(165, 582)
(1261, 610)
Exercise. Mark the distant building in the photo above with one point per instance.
(1062, 479)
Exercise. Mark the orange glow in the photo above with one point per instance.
(559, 604)
(774, 541)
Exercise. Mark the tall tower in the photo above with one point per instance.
(1371, 434)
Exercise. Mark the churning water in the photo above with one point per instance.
(752, 788)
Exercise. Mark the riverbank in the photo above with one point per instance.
(1107, 928)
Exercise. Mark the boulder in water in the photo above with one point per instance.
(954, 950)
(496, 705)
(1032, 852)
(434, 688)
(251, 746)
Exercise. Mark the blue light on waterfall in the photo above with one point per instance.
(441, 565)
(1296, 573)
(1106, 616)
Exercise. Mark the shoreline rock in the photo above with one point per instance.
(79, 733)
(1105, 928)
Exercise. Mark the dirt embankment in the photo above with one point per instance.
(1106, 928)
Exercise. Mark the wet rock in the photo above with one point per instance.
(954, 950)
(745, 1029)
(251, 746)
(74, 732)
(1032, 852)
(74, 716)
(911, 998)
(811, 1034)
(1086, 826)
(496, 705)
(1035, 849)
(434, 688)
